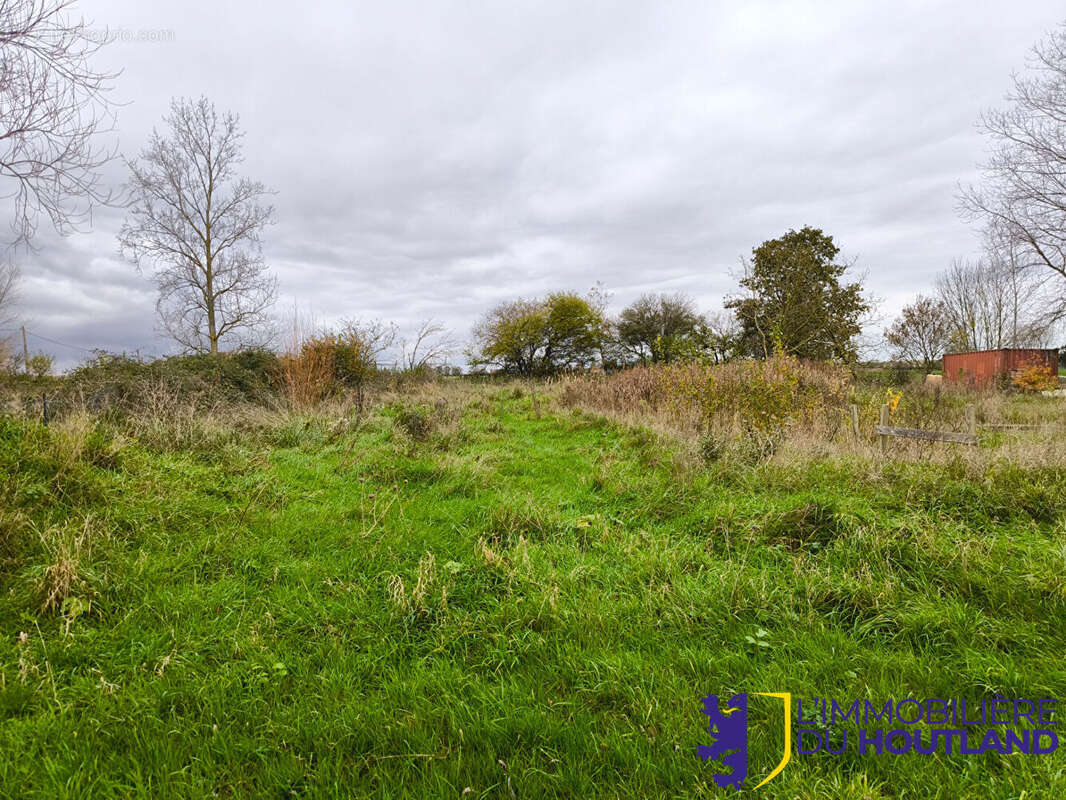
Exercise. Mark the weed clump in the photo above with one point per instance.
(711, 448)
(437, 424)
(65, 581)
(509, 523)
(416, 421)
(811, 526)
(429, 594)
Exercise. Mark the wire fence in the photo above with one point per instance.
(43, 338)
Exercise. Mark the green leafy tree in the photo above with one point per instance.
(574, 332)
(720, 336)
(796, 301)
(921, 334)
(710, 342)
(510, 336)
(656, 328)
(538, 337)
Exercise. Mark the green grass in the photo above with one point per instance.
(526, 604)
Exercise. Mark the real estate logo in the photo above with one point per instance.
(729, 729)
(827, 727)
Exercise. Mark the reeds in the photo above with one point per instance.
(307, 365)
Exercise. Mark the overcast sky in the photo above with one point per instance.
(433, 158)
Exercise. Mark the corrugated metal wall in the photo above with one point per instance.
(988, 367)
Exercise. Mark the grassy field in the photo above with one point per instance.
(489, 595)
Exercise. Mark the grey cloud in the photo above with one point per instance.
(432, 159)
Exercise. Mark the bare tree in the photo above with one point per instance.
(52, 106)
(199, 226)
(376, 335)
(1024, 192)
(359, 348)
(431, 345)
(993, 303)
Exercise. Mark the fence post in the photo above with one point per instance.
(44, 408)
(971, 420)
(884, 421)
(855, 421)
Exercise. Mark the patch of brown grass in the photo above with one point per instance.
(65, 575)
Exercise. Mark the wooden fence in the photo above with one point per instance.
(885, 431)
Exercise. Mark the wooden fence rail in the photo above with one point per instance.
(1013, 426)
(886, 431)
(926, 436)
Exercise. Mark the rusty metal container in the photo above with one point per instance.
(984, 368)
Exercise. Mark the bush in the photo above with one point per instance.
(308, 370)
(257, 361)
(1035, 379)
(40, 364)
(121, 384)
(416, 421)
(318, 365)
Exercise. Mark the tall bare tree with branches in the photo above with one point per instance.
(992, 303)
(52, 106)
(1023, 196)
(199, 226)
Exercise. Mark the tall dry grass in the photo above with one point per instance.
(787, 410)
(307, 365)
(742, 397)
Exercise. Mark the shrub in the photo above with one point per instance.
(416, 421)
(256, 361)
(40, 364)
(1035, 379)
(122, 384)
(307, 370)
(317, 365)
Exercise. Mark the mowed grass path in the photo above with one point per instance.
(526, 604)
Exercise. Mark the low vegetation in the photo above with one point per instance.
(520, 589)
(292, 574)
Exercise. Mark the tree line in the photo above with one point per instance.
(987, 304)
(794, 299)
